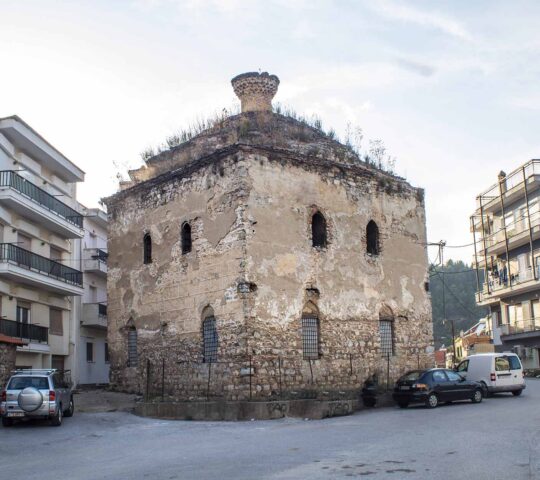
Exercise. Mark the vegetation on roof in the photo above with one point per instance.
(375, 155)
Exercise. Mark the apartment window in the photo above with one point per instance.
(515, 314)
(372, 238)
(56, 254)
(56, 325)
(186, 238)
(24, 242)
(147, 248)
(89, 352)
(106, 352)
(133, 354)
(318, 230)
(23, 312)
(210, 336)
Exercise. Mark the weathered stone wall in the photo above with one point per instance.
(164, 300)
(249, 190)
(8, 352)
(349, 286)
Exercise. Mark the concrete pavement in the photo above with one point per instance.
(497, 439)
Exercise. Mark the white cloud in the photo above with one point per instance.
(421, 17)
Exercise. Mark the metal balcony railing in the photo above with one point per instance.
(24, 331)
(100, 255)
(43, 265)
(520, 326)
(8, 178)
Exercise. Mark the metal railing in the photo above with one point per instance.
(8, 178)
(100, 255)
(45, 266)
(520, 326)
(24, 331)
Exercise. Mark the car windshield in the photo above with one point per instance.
(19, 383)
(411, 376)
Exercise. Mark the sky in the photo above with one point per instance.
(451, 87)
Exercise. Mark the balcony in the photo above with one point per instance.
(23, 266)
(24, 331)
(513, 187)
(94, 315)
(522, 282)
(95, 261)
(39, 206)
(521, 329)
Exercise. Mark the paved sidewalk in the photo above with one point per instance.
(101, 400)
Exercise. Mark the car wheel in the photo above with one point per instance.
(7, 422)
(56, 421)
(477, 396)
(403, 404)
(516, 393)
(69, 412)
(432, 401)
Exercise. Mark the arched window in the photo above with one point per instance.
(386, 331)
(147, 248)
(372, 238)
(210, 336)
(186, 238)
(318, 230)
(310, 332)
(133, 354)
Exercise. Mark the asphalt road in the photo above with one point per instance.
(497, 439)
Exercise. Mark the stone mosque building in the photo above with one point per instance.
(262, 258)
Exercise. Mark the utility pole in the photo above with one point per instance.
(442, 244)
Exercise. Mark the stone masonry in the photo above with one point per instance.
(249, 188)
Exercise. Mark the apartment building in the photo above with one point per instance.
(93, 352)
(40, 225)
(506, 233)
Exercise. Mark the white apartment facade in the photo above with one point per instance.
(40, 227)
(506, 233)
(93, 353)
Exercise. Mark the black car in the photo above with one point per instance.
(434, 386)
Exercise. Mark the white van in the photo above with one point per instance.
(498, 372)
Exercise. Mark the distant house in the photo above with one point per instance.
(475, 340)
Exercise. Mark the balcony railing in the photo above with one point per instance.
(100, 255)
(26, 259)
(24, 331)
(520, 326)
(9, 178)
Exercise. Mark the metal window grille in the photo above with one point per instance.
(210, 340)
(310, 337)
(386, 329)
(133, 356)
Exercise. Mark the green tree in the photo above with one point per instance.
(453, 287)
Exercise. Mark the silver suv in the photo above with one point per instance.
(37, 394)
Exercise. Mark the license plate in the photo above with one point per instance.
(404, 387)
(15, 414)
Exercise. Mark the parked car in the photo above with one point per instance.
(497, 372)
(434, 386)
(37, 394)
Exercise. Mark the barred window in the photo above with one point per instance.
(133, 355)
(147, 248)
(310, 337)
(210, 340)
(186, 238)
(386, 329)
(318, 230)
